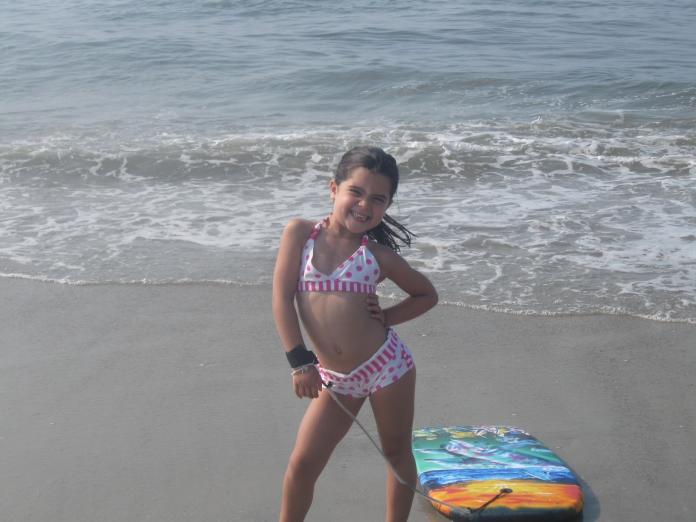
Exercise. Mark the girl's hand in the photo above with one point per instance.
(307, 383)
(375, 310)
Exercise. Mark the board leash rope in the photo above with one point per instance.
(459, 512)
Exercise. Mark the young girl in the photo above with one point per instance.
(331, 269)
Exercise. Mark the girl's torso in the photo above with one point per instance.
(336, 277)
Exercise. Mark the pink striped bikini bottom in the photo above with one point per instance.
(389, 363)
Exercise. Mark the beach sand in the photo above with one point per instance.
(173, 403)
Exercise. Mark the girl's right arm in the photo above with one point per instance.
(285, 284)
(284, 287)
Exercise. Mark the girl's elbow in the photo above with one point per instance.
(430, 299)
(434, 298)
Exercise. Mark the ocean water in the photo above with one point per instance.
(547, 149)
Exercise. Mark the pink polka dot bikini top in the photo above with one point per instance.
(359, 273)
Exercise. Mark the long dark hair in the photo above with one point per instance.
(376, 160)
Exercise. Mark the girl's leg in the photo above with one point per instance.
(393, 410)
(323, 426)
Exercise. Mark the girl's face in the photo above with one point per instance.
(361, 200)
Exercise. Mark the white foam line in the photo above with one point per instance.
(134, 282)
(391, 296)
(547, 313)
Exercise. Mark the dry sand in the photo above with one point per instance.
(172, 403)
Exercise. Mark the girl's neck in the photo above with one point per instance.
(339, 231)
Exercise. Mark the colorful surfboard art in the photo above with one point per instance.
(497, 472)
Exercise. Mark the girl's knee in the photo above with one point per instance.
(398, 451)
(304, 466)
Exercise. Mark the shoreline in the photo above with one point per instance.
(495, 309)
(172, 402)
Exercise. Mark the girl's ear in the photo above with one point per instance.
(333, 188)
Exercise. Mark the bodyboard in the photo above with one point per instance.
(497, 472)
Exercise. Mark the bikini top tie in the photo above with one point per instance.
(358, 274)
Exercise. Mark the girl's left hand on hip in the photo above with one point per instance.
(375, 310)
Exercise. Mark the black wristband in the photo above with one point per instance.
(300, 356)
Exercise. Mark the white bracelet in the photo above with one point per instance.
(301, 369)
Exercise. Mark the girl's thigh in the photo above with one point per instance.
(393, 409)
(323, 426)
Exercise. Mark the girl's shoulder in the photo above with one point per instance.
(298, 228)
(384, 255)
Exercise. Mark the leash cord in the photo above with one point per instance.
(460, 512)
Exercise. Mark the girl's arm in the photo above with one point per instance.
(307, 384)
(285, 284)
(422, 295)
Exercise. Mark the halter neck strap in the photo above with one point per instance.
(322, 223)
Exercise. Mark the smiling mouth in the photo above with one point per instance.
(364, 218)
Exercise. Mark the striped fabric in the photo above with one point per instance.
(388, 364)
(357, 274)
(335, 285)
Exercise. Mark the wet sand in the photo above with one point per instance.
(173, 403)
